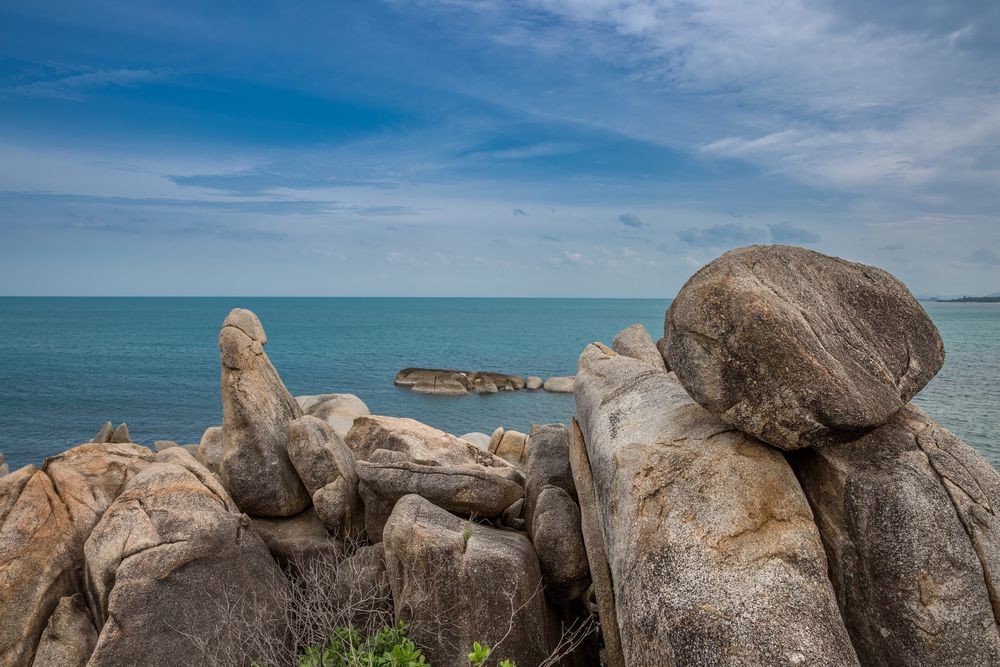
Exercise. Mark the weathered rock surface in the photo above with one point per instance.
(338, 410)
(104, 434)
(37, 560)
(69, 636)
(908, 513)
(164, 560)
(121, 434)
(559, 385)
(420, 442)
(512, 447)
(548, 464)
(256, 411)
(635, 342)
(480, 440)
(470, 490)
(435, 559)
(160, 445)
(4, 468)
(533, 383)
(444, 385)
(361, 587)
(796, 347)
(212, 448)
(339, 508)
(661, 347)
(712, 547)
(297, 539)
(318, 454)
(451, 382)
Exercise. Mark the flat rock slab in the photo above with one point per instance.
(795, 347)
(908, 513)
(711, 543)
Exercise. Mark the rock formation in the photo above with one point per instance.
(796, 347)
(711, 543)
(69, 636)
(908, 513)
(636, 342)
(559, 385)
(256, 412)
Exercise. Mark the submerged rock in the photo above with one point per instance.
(795, 347)
(710, 541)
(256, 412)
(635, 342)
(456, 582)
(909, 516)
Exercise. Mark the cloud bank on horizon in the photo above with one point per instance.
(491, 147)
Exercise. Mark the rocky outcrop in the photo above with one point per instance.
(296, 540)
(480, 440)
(711, 544)
(547, 465)
(338, 410)
(256, 412)
(511, 446)
(164, 562)
(635, 342)
(451, 382)
(212, 448)
(470, 490)
(796, 347)
(559, 385)
(909, 517)
(69, 636)
(318, 453)
(456, 582)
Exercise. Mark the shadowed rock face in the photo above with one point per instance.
(163, 561)
(713, 552)
(69, 637)
(796, 347)
(464, 579)
(908, 514)
(256, 412)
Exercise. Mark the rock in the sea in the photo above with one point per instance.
(559, 385)
(533, 383)
(795, 347)
(909, 516)
(121, 434)
(470, 490)
(104, 435)
(173, 561)
(256, 412)
(69, 636)
(635, 342)
(710, 540)
(211, 449)
(456, 582)
(455, 384)
(338, 410)
(486, 388)
(318, 453)
(410, 377)
(480, 440)
(512, 448)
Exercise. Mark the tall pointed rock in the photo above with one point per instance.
(256, 412)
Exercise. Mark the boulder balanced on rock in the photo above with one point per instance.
(256, 412)
(711, 544)
(795, 347)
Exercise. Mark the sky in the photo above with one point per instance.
(579, 148)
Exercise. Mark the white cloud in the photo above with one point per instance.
(75, 85)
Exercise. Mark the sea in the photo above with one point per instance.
(67, 365)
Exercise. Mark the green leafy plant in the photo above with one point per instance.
(345, 647)
(480, 652)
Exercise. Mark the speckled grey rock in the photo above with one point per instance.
(104, 434)
(212, 449)
(908, 513)
(319, 454)
(548, 464)
(338, 410)
(711, 543)
(796, 347)
(451, 580)
(635, 342)
(121, 434)
(555, 534)
(295, 540)
(69, 636)
(256, 412)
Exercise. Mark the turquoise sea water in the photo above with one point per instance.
(69, 364)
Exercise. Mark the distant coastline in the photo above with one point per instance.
(970, 299)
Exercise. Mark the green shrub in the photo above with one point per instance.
(345, 647)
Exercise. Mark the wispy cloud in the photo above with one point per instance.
(630, 220)
(75, 86)
(731, 235)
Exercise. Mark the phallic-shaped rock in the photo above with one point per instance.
(456, 582)
(635, 342)
(470, 490)
(173, 561)
(69, 636)
(711, 543)
(795, 347)
(909, 516)
(256, 412)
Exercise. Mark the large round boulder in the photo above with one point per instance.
(798, 348)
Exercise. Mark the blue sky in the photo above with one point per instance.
(491, 147)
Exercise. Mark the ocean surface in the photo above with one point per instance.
(69, 364)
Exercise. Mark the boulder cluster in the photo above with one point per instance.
(752, 489)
